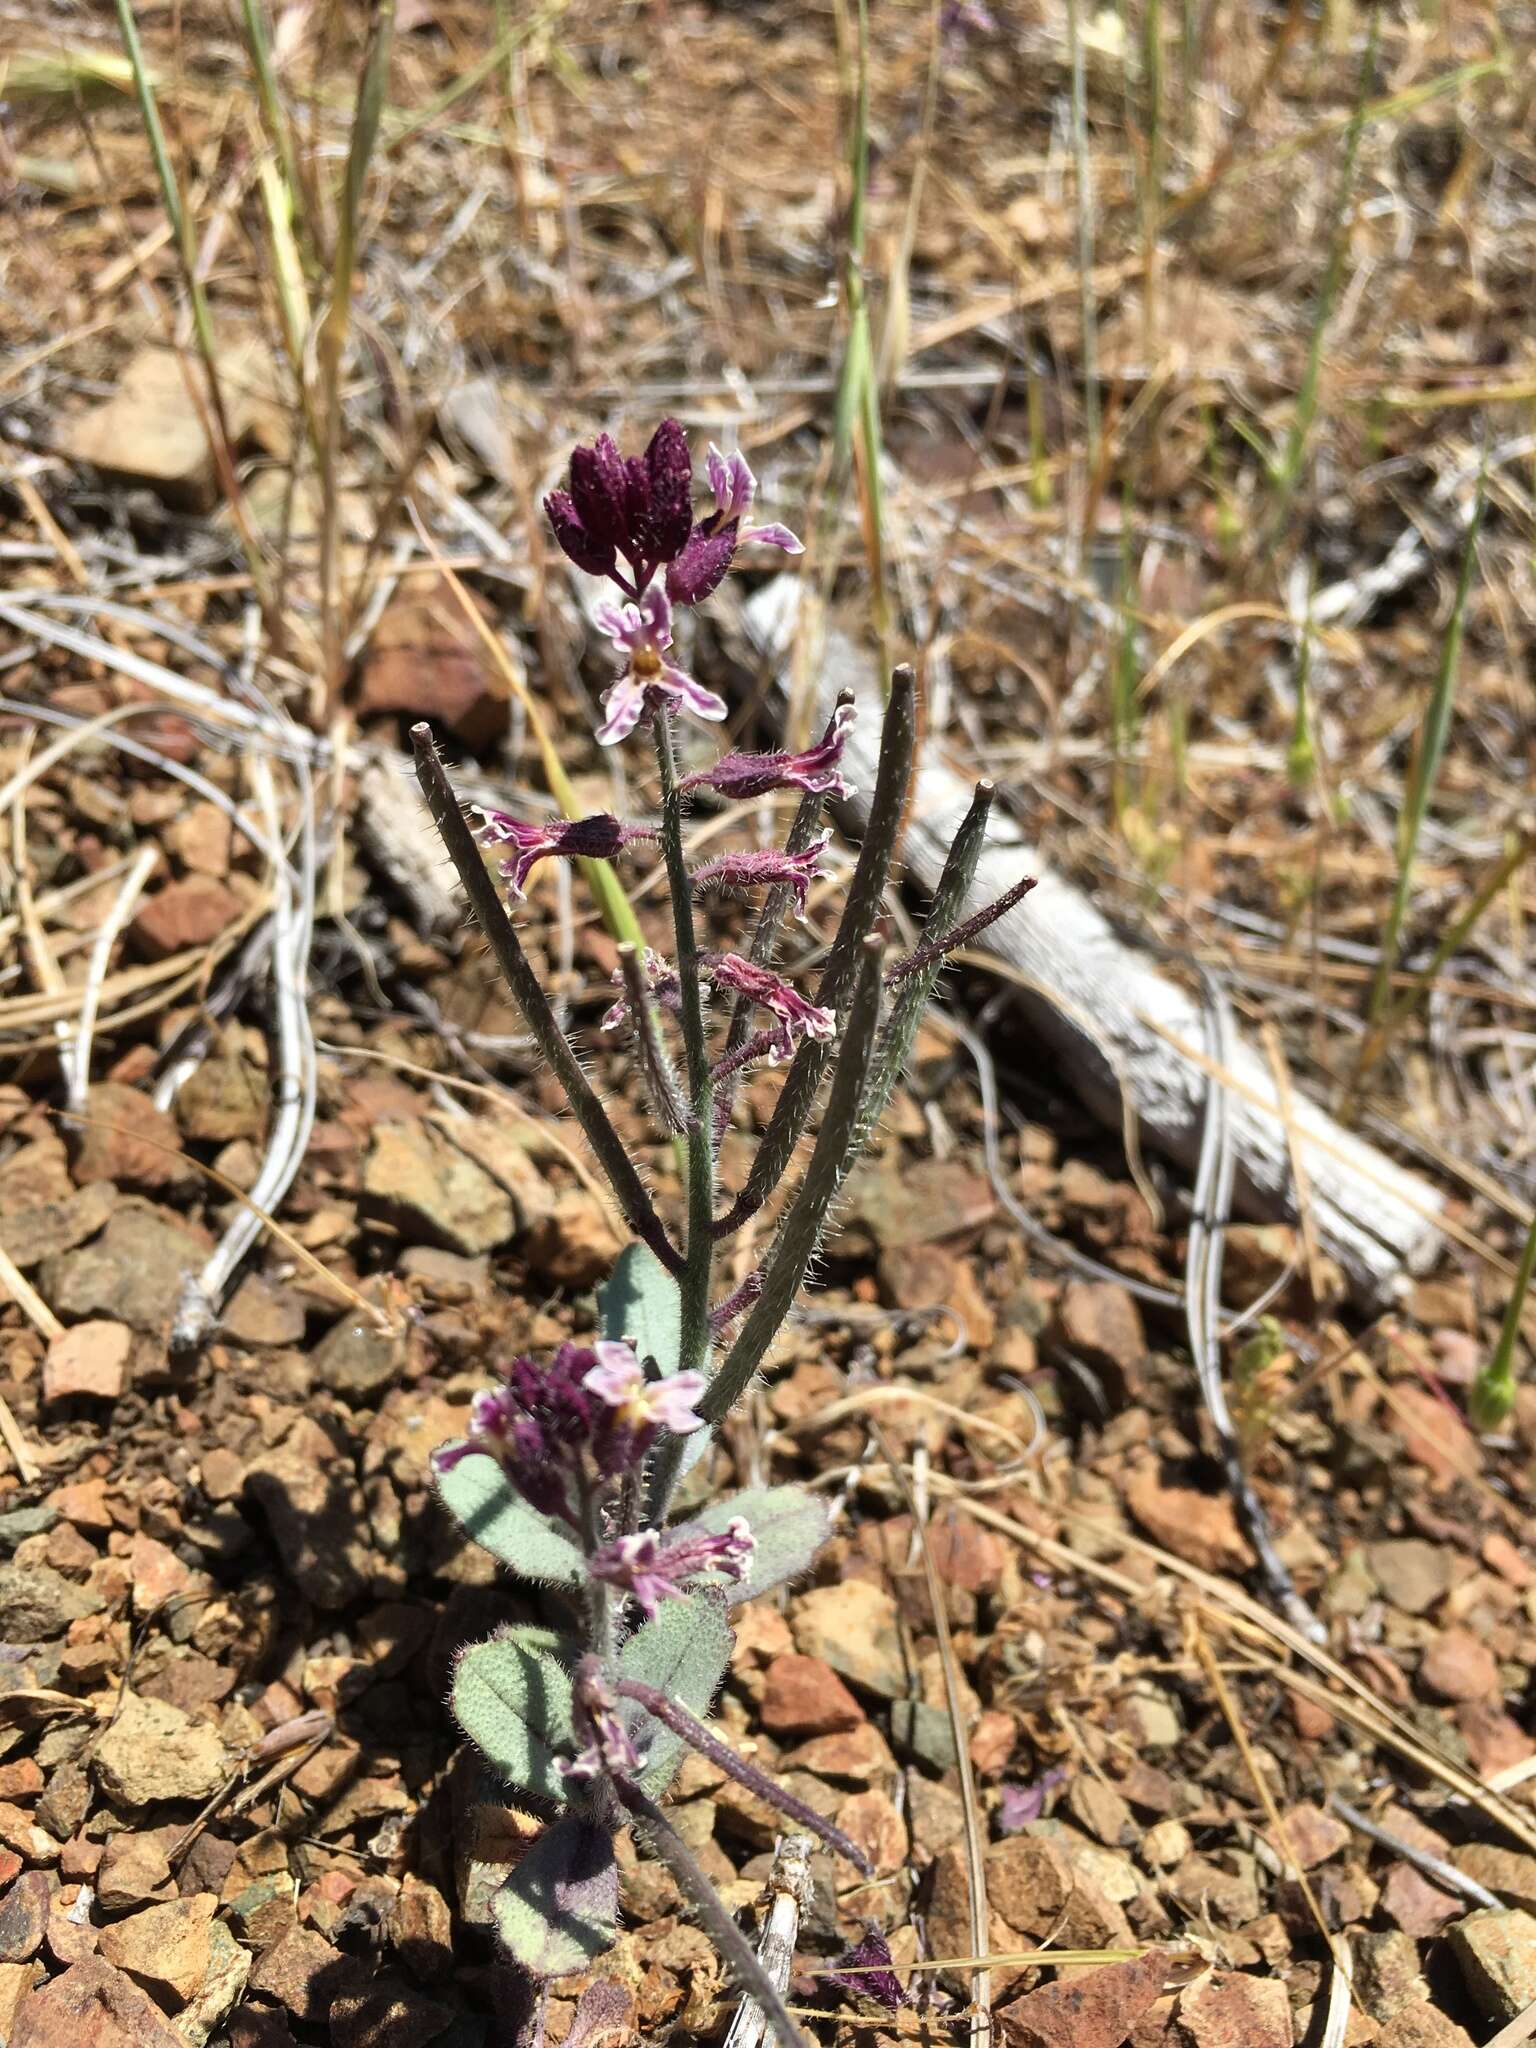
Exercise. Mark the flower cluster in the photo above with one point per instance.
(654, 1568)
(590, 1414)
(609, 1748)
(796, 1017)
(631, 518)
(599, 837)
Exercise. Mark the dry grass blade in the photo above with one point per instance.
(981, 2028)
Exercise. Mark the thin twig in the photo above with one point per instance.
(788, 1892)
(1444, 1874)
(78, 1060)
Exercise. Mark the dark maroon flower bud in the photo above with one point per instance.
(600, 489)
(669, 474)
(866, 1972)
(700, 567)
(596, 556)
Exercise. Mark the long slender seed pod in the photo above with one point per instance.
(896, 1040)
(485, 901)
(800, 1232)
(797, 1098)
(699, 1263)
(661, 1082)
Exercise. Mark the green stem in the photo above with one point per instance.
(1493, 1391)
(698, 1270)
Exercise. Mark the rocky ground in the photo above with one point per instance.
(233, 1808)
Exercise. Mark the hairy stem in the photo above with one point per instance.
(916, 975)
(709, 1745)
(802, 1083)
(668, 1844)
(485, 902)
(800, 1232)
(701, 1150)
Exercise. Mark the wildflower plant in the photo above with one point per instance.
(570, 1465)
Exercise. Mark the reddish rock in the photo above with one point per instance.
(574, 1245)
(200, 839)
(1411, 1902)
(1459, 1666)
(1230, 2009)
(167, 1948)
(129, 1141)
(89, 1361)
(804, 1696)
(1098, 2010)
(183, 916)
(1100, 1323)
(1495, 1740)
(24, 1918)
(1433, 1434)
(1501, 1556)
(1312, 1835)
(305, 1974)
(92, 2005)
(1199, 1527)
(133, 1871)
(1422, 2025)
(964, 1553)
(425, 657)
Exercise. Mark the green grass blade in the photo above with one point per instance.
(1426, 766)
(1493, 1391)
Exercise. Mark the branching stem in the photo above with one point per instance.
(485, 901)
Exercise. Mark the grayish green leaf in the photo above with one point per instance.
(512, 1698)
(488, 1507)
(640, 1303)
(683, 1653)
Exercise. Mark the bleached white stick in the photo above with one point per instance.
(789, 1893)
(1099, 1005)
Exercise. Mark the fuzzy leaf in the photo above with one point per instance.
(512, 1698)
(683, 1653)
(489, 1508)
(558, 1911)
(640, 1303)
(789, 1524)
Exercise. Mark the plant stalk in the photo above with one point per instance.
(699, 1268)
(485, 901)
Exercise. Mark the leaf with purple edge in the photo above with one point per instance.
(559, 1909)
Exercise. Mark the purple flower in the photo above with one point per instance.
(596, 838)
(661, 981)
(751, 870)
(643, 632)
(752, 775)
(653, 1570)
(865, 1972)
(735, 487)
(1018, 1805)
(770, 992)
(589, 1414)
(699, 567)
(618, 1380)
(640, 508)
(610, 1749)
